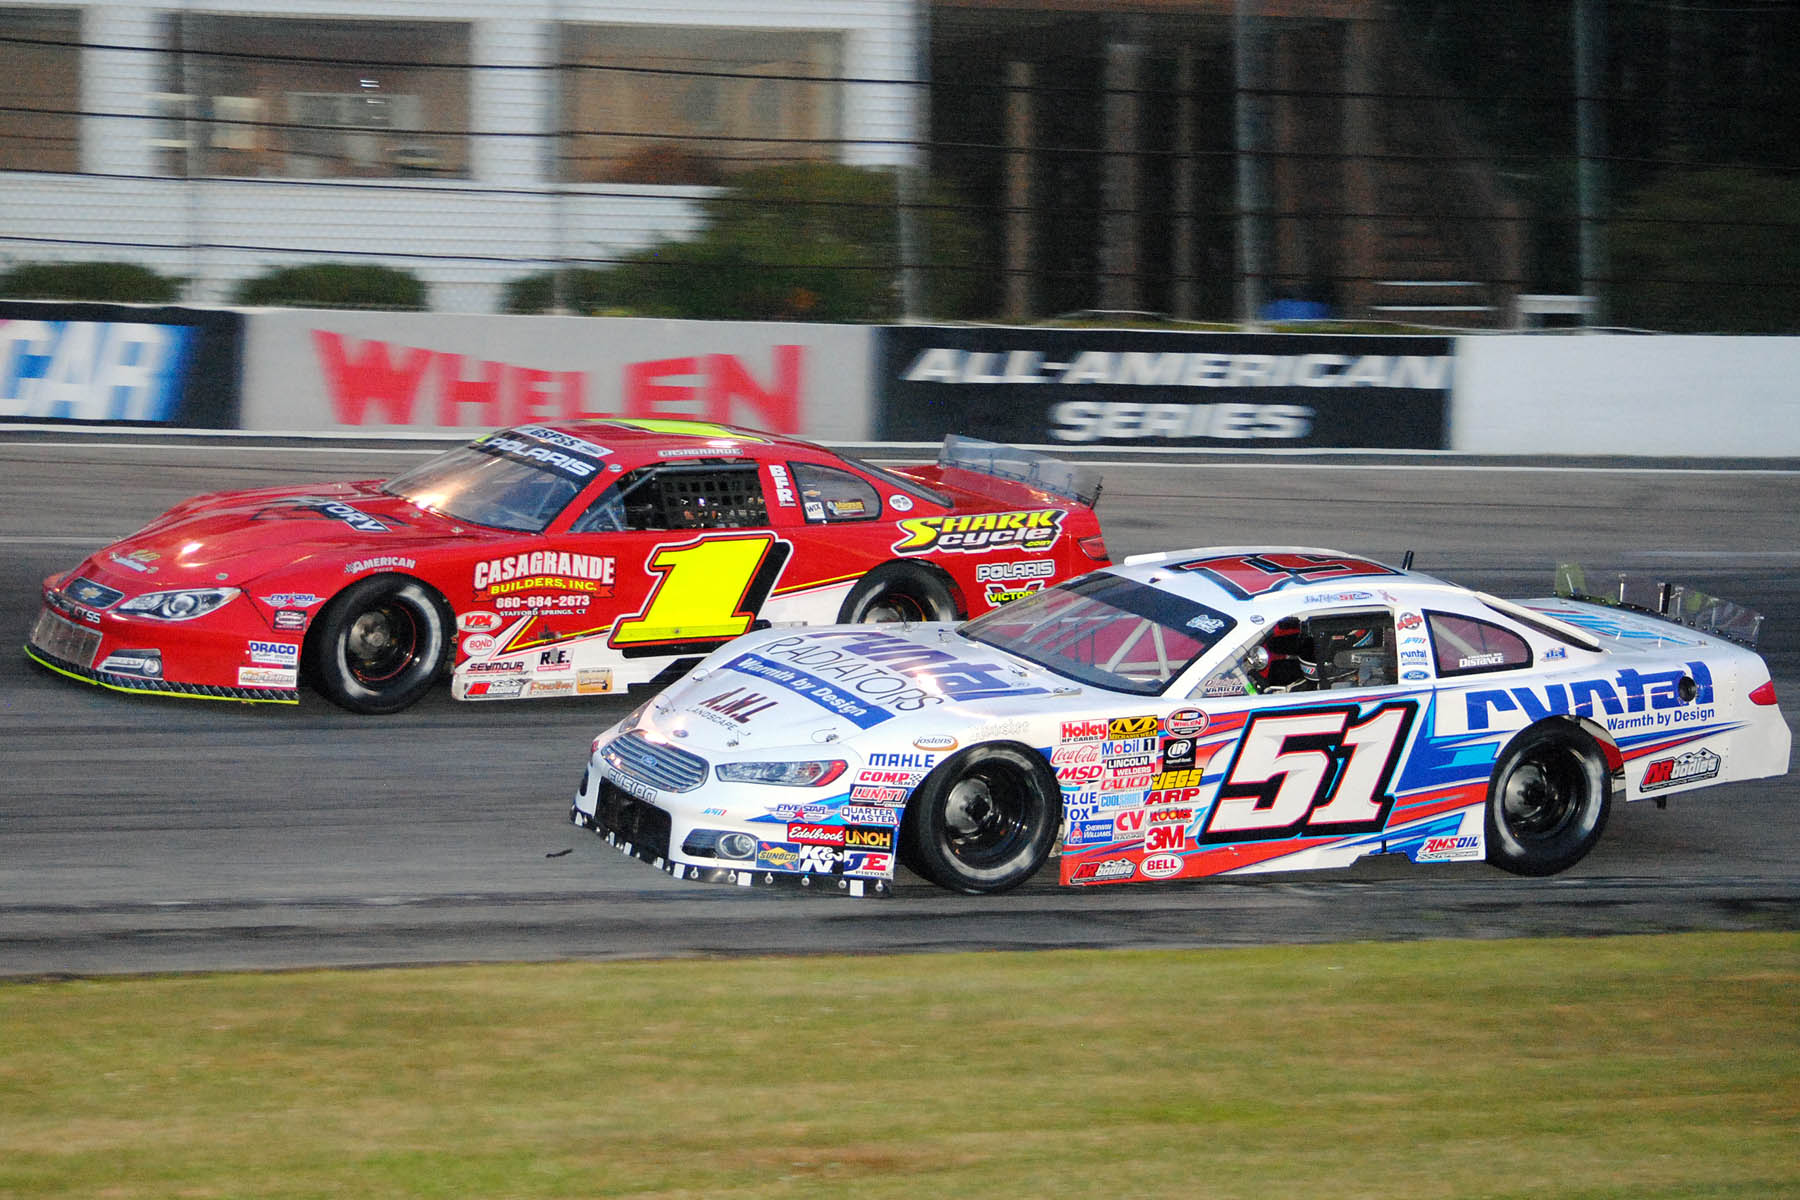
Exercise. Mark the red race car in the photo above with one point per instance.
(565, 559)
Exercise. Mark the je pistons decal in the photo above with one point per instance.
(978, 533)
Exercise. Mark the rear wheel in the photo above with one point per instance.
(1547, 801)
(984, 821)
(898, 593)
(380, 644)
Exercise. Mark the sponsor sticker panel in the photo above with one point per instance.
(1154, 388)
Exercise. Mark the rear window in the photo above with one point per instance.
(1468, 646)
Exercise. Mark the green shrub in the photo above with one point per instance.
(118, 282)
(334, 285)
(805, 242)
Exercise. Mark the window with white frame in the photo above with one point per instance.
(685, 105)
(315, 98)
(40, 89)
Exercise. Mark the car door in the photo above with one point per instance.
(695, 557)
(1306, 729)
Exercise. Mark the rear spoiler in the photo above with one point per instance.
(1047, 474)
(1674, 602)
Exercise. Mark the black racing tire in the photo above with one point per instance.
(1547, 800)
(983, 821)
(380, 644)
(898, 592)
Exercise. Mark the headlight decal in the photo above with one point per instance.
(182, 605)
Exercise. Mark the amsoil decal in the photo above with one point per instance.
(1147, 387)
(371, 383)
(978, 533)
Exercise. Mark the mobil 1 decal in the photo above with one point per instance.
(1163, 388)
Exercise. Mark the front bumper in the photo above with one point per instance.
(658, 828)
(205, 660)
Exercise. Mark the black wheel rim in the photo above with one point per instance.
(894, 606)
(986, 817)
(381, 643)
(1543, 795)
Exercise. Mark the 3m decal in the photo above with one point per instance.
(709, 589)
(1248, 575)
(1310, 771)
(978, 533)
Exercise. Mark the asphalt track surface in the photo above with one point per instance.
(150, 835)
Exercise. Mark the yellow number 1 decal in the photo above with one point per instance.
(710, 590)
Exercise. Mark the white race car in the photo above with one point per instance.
(1203, 712)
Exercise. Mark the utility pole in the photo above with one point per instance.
(1590, 146)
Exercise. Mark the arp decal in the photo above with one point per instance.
(979, 533)
(1249, 575)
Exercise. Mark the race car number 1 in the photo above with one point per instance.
(707, 589)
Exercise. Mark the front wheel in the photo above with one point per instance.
(983, 821)
(897, 593)
(380, 644)
(1547, 801)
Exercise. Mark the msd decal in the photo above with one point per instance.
(371, 382)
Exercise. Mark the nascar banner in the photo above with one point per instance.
(119, 364)
(1152, 388)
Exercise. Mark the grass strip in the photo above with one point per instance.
(1633, 1067)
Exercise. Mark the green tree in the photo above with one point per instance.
(334, 285)
(804, 242)
(1714, 251)
(121, 283)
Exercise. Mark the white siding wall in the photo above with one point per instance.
(465, 238)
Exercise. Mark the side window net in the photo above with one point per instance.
(714, 497)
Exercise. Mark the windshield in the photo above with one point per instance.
(1105, 630)
(515, 480)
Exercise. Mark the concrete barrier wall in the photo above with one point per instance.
(317, 371)
(1623, 394)
(331, 371)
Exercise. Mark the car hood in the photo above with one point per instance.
(233, 537)
(864, 684)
